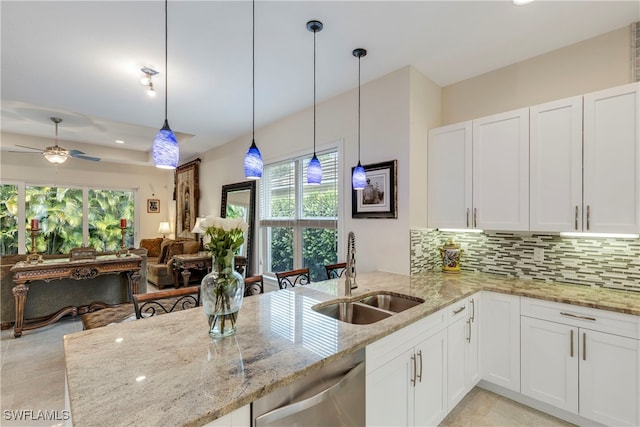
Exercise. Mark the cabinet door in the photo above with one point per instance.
(500, 340)
(556, 166)
(549, 363)
(431, 387)
(609, 378)
(449, 183)
(473, 343)
(390, 393)
(612, 160)
(456, 361)
(501, 171)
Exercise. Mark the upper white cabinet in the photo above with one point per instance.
(598, 191)
(449, 170)
(501, 171)
(556, 166)
(478, 173)
(612, 160)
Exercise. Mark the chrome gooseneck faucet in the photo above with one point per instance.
(350, 271)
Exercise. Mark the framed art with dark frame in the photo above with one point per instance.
(379, 199)
(153, 205)
(186, 194)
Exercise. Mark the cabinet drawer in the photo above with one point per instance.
(583, 317)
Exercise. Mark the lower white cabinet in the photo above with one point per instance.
(500, 340)
(568, 363)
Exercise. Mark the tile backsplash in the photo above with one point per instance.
(610, 262)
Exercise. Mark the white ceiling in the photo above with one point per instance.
(81, 60)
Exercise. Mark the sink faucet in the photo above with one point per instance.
(350, 270)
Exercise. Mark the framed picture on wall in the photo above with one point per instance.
(153, 205)
(379, 197)
(187, 193)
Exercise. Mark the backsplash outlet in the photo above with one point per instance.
(611, 263)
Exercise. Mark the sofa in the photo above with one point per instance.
(47, 298)
(160, 253)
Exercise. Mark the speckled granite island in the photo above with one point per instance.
(167, 371)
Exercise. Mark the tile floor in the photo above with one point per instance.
(32, 378)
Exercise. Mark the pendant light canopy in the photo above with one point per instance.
(314, 170)
(253, 159)
(359, 177)
(165, 151)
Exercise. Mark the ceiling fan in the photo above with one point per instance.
(56, 154)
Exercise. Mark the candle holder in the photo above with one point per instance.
(34, 257)
(122, 251)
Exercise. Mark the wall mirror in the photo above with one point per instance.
(239, 201)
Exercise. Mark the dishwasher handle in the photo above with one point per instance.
(326, 394)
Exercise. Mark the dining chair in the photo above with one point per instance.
(293, 278)
(253, 285)
(335, 270)
(162, 302)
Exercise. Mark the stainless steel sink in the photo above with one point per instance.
(391, 302)
(352, 312)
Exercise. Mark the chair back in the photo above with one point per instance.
(154, 303)
(292, 278)
(253, 285)
(335, 270)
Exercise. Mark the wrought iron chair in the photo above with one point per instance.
(253, 285)
(293, 278)
(154, 303)
(335, 270)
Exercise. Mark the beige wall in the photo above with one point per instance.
(593, 64)
(149, 182)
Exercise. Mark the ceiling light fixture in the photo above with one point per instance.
(314, 170)
(253, 159)
(56, 154)
(522, 2)
(147, 80)
(359, 177)
(165, 152)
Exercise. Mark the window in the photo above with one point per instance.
(299, 222)
(68, 218)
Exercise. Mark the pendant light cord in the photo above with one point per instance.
(359, 57)
(314, 91)
(253, 72)
(166, 44)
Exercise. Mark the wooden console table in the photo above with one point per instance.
(187, 262)
(55, 269)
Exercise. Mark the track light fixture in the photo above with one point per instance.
(147, 80)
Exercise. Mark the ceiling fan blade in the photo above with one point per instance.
(30, 148)
(83, 157)
(75, 152)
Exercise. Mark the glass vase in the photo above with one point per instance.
(221, 292)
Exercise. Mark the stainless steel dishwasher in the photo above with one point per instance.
(332, 396)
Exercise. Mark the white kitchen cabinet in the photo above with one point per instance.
(582, 360)
(406, 375)
(501, 171)
(500, 340)
(449, 172)
(473, 342)
(556, 166)
(607, 130)
(611, 141)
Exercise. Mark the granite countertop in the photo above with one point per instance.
(166, 370)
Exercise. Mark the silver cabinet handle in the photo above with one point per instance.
(469, 325)
(413, 379)
(475, 217)
(326, 394)
(576, 224)
(584, 346)
(577, 316)
(467, 217)
(571, 344)
(461, 309)
(588, 217)
(420, 374)
(473, 310)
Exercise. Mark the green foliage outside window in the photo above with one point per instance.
(106, 208)
(8, 219)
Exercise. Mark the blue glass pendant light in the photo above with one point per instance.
(359, 177)
(165, 152)
(253, 159)
(314, 170)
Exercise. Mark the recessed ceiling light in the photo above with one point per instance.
(522, 2)
(119, 141)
